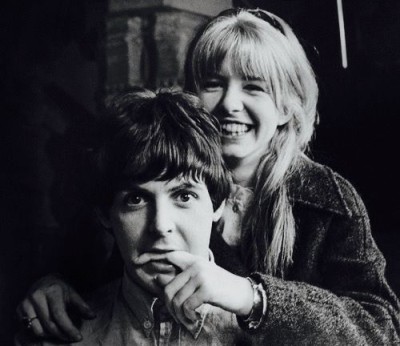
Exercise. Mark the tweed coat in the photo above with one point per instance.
(335, 293)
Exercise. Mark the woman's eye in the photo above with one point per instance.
(255, 87)
(211, 84)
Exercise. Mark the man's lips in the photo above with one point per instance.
(151, 255)
(156, 260)
(162, 267)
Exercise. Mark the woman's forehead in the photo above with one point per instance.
(246, 69)
(243, 69)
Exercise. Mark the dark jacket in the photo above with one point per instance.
(335, 293)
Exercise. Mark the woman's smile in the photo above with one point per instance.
(235, 129)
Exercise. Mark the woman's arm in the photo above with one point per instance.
(352, 304)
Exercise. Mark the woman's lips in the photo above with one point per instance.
(232, 129)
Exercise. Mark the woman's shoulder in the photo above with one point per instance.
(318, 186)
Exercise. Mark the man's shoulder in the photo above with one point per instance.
(101, 302)
(104, 295)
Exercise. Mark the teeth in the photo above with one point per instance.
(234, 129)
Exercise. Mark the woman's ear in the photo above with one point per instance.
(218, 212)
(284, 116)
(103, 218)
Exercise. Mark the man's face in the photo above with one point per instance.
(158, 217)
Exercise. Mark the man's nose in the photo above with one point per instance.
(163, 219)
(232, 100)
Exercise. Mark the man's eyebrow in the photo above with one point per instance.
(134, 188)
(185, 185)
(129, 185)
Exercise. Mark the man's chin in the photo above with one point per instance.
(153, 276)
(160, 273)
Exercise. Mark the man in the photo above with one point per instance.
(159, 185)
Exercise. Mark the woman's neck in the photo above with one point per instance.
(243, 171)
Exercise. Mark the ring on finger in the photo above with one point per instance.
(27, 321)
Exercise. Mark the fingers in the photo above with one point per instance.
(49, 299)
(190, 305)
(26, 310)
(41, 307)
(186, 293)
(172, 289)
(57, 309)
(183, 311)
(182, 259)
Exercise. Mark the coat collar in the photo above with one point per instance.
(317, 186)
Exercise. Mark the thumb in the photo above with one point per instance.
(181, 259)
(83, 308)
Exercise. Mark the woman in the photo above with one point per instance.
(294, 226)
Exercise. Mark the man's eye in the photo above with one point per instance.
(185, 197)
(133, 200)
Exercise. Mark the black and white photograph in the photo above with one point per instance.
(214, 172)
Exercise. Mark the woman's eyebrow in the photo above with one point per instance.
(253, 79)
(214, 76)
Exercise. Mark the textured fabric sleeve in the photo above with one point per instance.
(353, 305)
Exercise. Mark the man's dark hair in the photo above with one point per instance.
(148, 136)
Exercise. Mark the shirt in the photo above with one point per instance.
(128, 315)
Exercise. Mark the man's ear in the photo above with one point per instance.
(103, 218)
(218, 212)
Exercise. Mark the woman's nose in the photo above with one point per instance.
(232, 100)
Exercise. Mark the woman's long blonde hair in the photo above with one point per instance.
(257, 43)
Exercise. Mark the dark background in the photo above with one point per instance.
(51, 68)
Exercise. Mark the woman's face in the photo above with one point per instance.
(246, 112)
